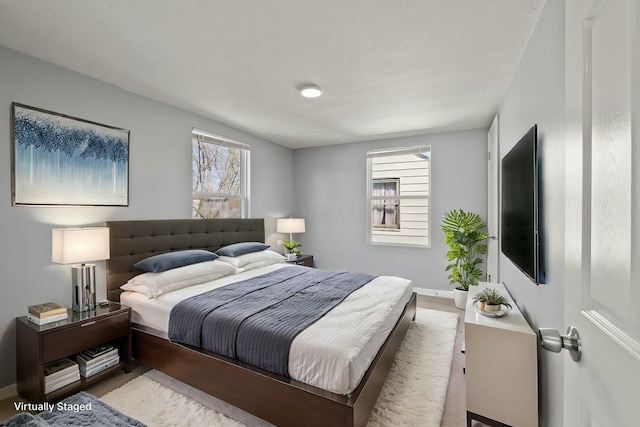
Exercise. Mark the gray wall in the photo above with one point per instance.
(159, 180)
(327, 183)
(330, 193)
(536, 95)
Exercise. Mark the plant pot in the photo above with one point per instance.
(460, 298)
(492, 307)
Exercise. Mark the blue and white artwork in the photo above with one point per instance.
(62, 160)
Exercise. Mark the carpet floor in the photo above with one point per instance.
(413, 395)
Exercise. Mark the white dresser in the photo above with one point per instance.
(501, 366)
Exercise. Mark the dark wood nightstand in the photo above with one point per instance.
(306, 260)
(38, 345)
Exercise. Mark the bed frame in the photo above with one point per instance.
(277, 399)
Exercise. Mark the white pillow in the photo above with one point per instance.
(253, 265)
(156, 284)
(267, 257)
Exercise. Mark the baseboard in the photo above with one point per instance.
(8, 391)
(433, 292)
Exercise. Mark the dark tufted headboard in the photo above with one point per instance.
(132, 241)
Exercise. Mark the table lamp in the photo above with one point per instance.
(290, 225)
(78, 245)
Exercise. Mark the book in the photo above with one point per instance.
(84, 360)
(87, 372)
(53, 385)
(98, 351)
(61, 378)
(59, 367)
(47, 309)
(62, 374)
(46, 320)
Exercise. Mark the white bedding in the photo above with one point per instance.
(335, 352)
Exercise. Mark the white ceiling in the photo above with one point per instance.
(387, 68)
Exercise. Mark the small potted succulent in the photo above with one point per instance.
(490, 299)
(292, 251)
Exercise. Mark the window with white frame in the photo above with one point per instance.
(386, 212)
(220, 176)
(398, 195)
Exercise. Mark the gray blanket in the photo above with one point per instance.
(256, 320)
(82, 409)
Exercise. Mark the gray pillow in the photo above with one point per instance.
(169, 260)
(241, 248)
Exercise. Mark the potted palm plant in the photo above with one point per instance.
(465, 236)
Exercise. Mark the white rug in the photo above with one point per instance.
(413, 395)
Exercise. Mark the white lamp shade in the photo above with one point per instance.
(290, 225)
(73, 245)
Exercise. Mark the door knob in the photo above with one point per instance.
(551, 340)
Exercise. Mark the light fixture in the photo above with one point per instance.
(290, 225)
(310, 91)
(78, 245)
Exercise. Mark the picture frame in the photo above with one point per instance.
(63, 160)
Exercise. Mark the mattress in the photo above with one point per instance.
(335, 352)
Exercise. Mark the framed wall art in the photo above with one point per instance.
(63, 160)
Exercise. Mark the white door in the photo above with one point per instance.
(493, 204)
(602, 235)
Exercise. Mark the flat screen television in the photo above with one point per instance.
(520, 216)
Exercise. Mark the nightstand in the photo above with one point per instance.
(306, 260)
(38, 345)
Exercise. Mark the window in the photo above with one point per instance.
(386, 213)
(220, 177)
(398, 196)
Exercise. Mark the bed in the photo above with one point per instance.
(278, 399)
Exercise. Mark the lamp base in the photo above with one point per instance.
(83, 280)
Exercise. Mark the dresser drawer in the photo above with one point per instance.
(84, 335)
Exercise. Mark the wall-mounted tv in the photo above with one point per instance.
(520, 217)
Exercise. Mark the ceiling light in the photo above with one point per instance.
(310, 91)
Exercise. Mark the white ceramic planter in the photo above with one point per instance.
(460, 298)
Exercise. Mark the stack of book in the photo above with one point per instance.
(59, 373)
(97, 359)
(48, 312)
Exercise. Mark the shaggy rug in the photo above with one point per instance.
(413, 395)
(81, 409)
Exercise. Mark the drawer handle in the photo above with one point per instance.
(88, 324)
